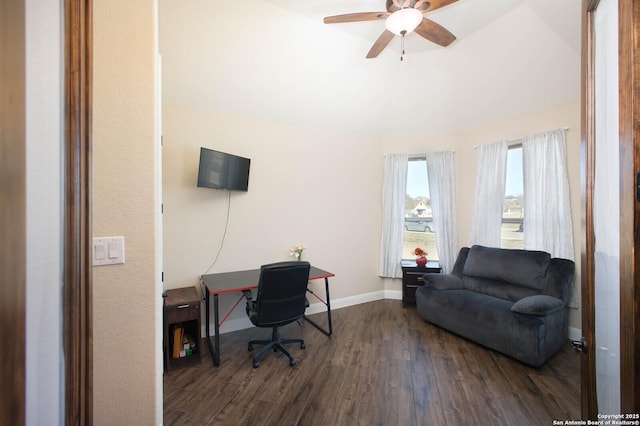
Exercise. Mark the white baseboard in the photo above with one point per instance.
(315, 308)
(575, 333)
(393, 294)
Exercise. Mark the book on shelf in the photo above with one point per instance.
(177, 341)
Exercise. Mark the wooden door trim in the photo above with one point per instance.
(77, 294)
(13, 230)
(589, 404)
(629, 148)
(629, 78)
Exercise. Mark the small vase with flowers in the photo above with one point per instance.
(421, 260)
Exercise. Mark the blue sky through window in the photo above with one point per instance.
(514, 172)
(417, 180)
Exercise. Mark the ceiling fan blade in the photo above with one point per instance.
(423, 6)
(435, 32)
(382, 42)
(355, 17)
(432, 4)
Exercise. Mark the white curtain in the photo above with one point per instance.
(547, 209)
(394, 191)
(442, 189)
(491, 177)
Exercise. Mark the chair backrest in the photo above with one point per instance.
(281, 293)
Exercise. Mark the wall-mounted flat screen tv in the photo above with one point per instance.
(220, 170)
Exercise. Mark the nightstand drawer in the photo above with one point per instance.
(183, 312)
(414, 279)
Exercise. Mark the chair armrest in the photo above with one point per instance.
(538, 305)
(442, 281)
(251, 304)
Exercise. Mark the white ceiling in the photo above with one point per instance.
(277, 60)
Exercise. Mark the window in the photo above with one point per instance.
(418, 221)
(513, 207)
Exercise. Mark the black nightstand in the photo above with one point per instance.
(412, 278)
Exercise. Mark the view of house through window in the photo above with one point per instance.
(418, 221)
(513, 208)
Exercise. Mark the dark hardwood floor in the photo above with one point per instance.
(383, 366)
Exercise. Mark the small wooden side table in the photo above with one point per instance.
(412, 278)
(181, 311)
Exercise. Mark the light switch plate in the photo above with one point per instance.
(108, 251)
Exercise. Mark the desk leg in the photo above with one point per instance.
(326, 289)
(214, 347)
(313, 323)
(216, 327)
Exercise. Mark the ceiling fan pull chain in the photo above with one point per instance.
(402, 47)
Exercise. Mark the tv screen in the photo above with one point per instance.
(220, 170)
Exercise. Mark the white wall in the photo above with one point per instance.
(307, 186)
(44, 361)
(127, 344)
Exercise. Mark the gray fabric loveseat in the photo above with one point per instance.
(512, 301)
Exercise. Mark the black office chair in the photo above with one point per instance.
(280, 300)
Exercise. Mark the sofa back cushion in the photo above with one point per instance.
(501, 289)
(525, 268)
(559, 279)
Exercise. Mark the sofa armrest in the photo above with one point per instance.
(538, 305)
(442, 281)
(460, 261)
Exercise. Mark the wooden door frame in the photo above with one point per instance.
(77, 287)
(13, 209)
(629, 77)
(77, 224)
(589, 404)
(629, 147)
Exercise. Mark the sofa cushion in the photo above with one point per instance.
(442, 281)
(559, 279)
(521, 267)
(539, 305)
(501, 289)
(484, 319)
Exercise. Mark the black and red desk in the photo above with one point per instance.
(239, 281)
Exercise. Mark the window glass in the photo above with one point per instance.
(513, 213)
(418, 220)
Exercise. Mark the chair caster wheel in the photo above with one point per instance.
(256, 364)
(302, 346)
(293, 362)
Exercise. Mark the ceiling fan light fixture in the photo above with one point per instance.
(403, 21)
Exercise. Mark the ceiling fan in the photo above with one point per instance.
(401, 18)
